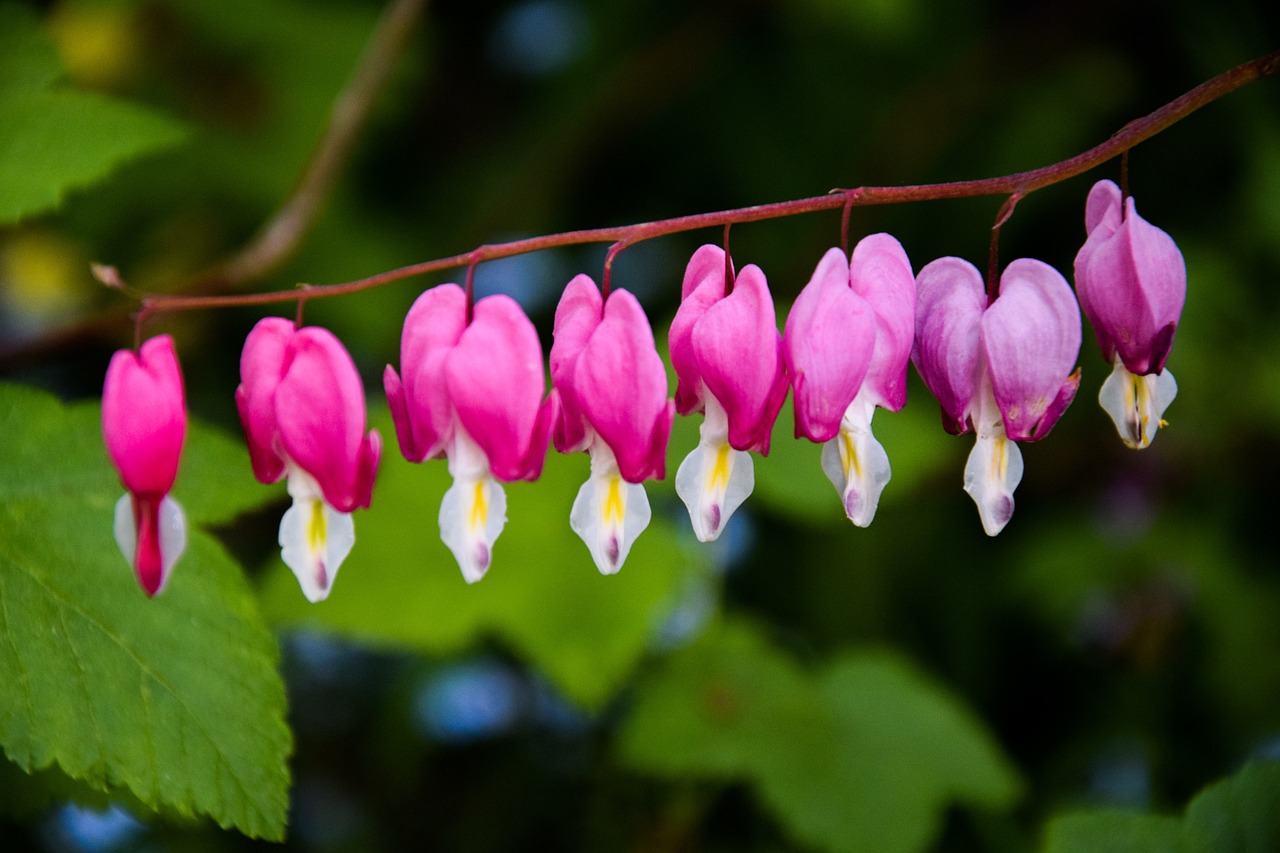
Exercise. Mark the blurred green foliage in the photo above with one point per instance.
(799, 685)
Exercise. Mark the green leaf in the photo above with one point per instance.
(865, 756)
(54, 141)
(176, 699)
(1113, 831)
(542, 595)
(28, 59)
(1240, 814)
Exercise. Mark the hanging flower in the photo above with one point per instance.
(847, 342)
(1002, 370)
(472, 393)
(144, 424)
(1132, 283)
(613, 396)
(301, 403)
(726, 350)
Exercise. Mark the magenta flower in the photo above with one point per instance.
(1132, 283)
(847, 343)
(144, 423)
(301, 403)
(1003, 370)
(473, 394)
(728, 359)
(613, 404)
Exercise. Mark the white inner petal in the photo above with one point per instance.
(714, 479)
(314, 537)
(609, 513)
(1136, 404)
(856, 464)
(172, 533)
(474, 509)
(994, 468)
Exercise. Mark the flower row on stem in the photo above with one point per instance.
(470, 389)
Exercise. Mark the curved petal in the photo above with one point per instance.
(1031, 339)
(144, 417)
(738, 350)
(703, 286)
(950, 300)
(262, 365)
(578, 314)
(420, 405)
(881, 274)
(495, 381)
(622, 387)
(827, 346)
(320, 412)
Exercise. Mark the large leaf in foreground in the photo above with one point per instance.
(175, 699)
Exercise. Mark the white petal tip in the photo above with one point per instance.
(1137, 404)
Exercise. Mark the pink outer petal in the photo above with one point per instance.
(739, 354)
(950, 300)
(703, 287)
(262, 364)
(144, 418)
(1031, 339)
(321, 416)
(881, 274)
(622, 387)
(578, 315)
(495, 381)
(420, 403)
(830, 336)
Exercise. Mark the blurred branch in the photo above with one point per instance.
(282, 235)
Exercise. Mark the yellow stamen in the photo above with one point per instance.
(479, 507)
(999, 459)
(849, 456)
(614, 505)
(719, 479)
(317, 528)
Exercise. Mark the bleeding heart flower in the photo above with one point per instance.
(613, 394)
(1003, 370)
(473, 394)
(301, 403)
(847, 343)
(1132, 283)
(728, 359)
(144, 424)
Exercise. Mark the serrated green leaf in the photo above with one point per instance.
(176, 699)
(865, 756)
(543, 595)
(52, 142)
(1113, 831)
(1240, 814)
(28, 59)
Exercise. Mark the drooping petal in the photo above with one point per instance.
(474, 509)
(1136, 403)
(1031, 339)
(856, 464)
(419, 402)
(994, 467)
(714, 479)
(881, 274)
(827, 346)
(703, 286)
(320, 415)
(622, 388)
(144, 419)
(578, 315)
(609, 513)
(496, 383)
(152, 536)
(950, 301)
(262, 365)
(314, 537)
(739, 353)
